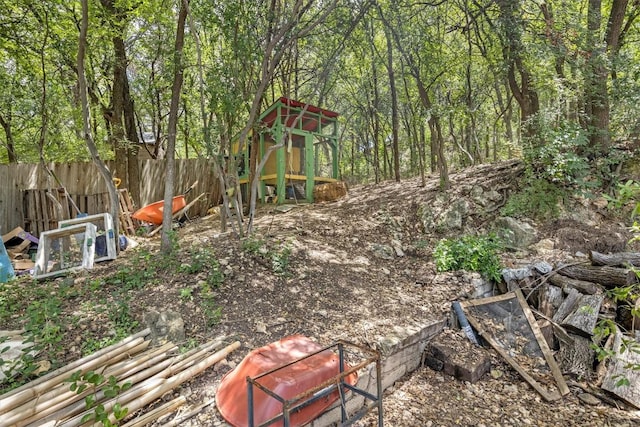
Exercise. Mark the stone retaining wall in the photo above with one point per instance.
(401, 354)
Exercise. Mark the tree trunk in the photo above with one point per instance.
(518, 76)
(567, 283)
(394, 108)
(376, 118)
(6, 125)
(169, 183)
(86, 120)
(596, 94)
(133, 173)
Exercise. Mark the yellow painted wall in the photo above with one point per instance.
(292, 165)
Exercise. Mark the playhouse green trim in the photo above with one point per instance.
(310, 134)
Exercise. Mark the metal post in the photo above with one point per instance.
(343, 408)
(379, 386)
(250, 397)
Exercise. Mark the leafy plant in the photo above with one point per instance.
(471, 253)
(200, 259)
(562, 158)
(252, 246)
(280, 260)
(537, 200)
(91, 380)
(186, 294)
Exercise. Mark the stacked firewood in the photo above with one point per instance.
(572, 300)
(149, 373)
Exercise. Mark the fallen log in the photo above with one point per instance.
(610, 277)
(583, 319)
(549, 299)
(568, 305)
(567, 283)
(620, 259)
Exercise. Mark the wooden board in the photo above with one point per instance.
(128, 225)
(619, 370)
(508, 325)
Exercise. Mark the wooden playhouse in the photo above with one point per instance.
(309, 156)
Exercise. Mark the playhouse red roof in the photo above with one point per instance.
(290, 111)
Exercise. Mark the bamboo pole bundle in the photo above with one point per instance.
(151, 373)
(74, 365)
(185, 362)
(61, 395)
(173, 366)
(149, 386)
(176, 380)
(15, 399)
(142, 361)
(75, 404)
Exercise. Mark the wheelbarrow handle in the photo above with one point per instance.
(191, 187)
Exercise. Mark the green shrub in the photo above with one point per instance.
(539, 199)
(471, 253)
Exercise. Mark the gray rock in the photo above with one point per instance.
(383, 251)
(515, 234)
(166, 326)
(454, 215)
(589, 399)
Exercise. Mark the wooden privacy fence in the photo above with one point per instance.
(32, 199)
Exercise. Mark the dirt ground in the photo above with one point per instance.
(358, 269)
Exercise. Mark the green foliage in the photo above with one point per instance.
(538, 199)
(186, 294)
(133, 276)
(276, 253)
(210, 308)
(625, 194)
(626, 296)
(252, 245)
(123, 325)
(561, 159)
(471, 253)
(93, 381)
(280, 260)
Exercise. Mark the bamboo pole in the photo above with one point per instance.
(75, 364)
(16, 399)
(182, 418)
(129, 367)
(151, 416)
(198, 353)
(175, 381)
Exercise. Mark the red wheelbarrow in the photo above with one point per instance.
(153, 213)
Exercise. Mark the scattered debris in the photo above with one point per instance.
(507, 324)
